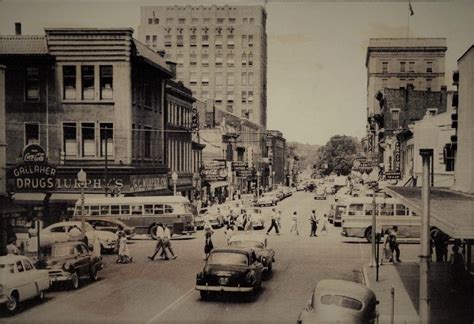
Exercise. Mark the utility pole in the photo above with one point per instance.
(426, 155)
(106, 176)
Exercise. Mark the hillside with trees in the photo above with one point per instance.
(337, 155)
(307, 153)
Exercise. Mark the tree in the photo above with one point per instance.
(337, 155)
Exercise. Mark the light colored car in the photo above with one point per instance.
(320, 193)
(59, 232)
(255, 216)
(258, 243)
(20, 281)
(268, 199)
(215, 215)
(340, 301)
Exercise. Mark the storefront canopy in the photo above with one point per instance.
(218, 184)
(29, 197)
(450, 211)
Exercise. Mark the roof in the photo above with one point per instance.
(151, 57)
(23, 45)
(450, 211)
(465, 53)
(127, 200)
(11, 258)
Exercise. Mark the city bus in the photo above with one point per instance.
(357, 217)
(143, 213)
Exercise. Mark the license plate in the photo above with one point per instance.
(223, 280)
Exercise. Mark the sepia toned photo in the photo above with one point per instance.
(225, 161)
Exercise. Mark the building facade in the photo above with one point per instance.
(276, 152)
(396, 63)
(220, 51)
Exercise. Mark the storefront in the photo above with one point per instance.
(215, 184)
(184, 186)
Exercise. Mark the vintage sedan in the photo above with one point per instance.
(72, 261)
(255, 216)
(59, 232)
(215, 215)
(320, 193)
(340, 301)
(109, 224)
(20, 281)
(268, 199)
(230, 270)
(258, 243)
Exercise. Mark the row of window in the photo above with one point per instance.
(145, 140)
(410, 68)
(183, 21)
(179, 41)
(87, 139)
(179, 155)
(179, 115)
(87, 82)
(128, 209)
(395, 116)
(219, 78)
(403, 83)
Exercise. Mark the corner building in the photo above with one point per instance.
(220, 51)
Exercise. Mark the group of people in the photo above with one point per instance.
(163, 243)
(314, 221)
(390, 246)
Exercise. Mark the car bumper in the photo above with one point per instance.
(224, 288)
(59, 276)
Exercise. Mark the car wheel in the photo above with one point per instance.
(204, 295)
(152, 231)
(368, 234)
(94, 274)
(13, 302)
(74, 281)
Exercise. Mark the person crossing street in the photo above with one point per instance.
(294, 225)
(274, 222)
(314, 223)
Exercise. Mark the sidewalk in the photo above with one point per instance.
(404, 277)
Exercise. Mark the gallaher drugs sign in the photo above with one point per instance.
(34, 173)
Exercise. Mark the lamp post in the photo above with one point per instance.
(273, 179)
(258, 184)
(82, 177)
(174, 177)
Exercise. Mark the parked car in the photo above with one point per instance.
(258, 221)
(230, 270)
(248, 199)
(301, 187)
(340, 301)
(72, 261)
(320, 193)
(215, 215)
(265, 255)
(268, 199)
(110, 225)
(59, 232)
(199, 218)
(20, 281)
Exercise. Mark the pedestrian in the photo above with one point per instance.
(244, 220)
(394, 245)
(12, 248)
(124, 253)
(229, 231)
(314, 223)
(440, 242)
(249, 225)
(294, 224)
(387, 251)
(159, 242)
(456, 268)
(97, 246)
(279, 220)
(208, 245)
(324, 225)
(274, 224)
(167, 244)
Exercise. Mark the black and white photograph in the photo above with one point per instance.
(236, 161)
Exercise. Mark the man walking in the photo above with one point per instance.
(314, 223)
(167, 244)
(294, 225)
(274, 222)
(159, 242)
(394, 244)
(278, 220)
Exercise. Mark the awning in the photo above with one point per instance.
(29, 197)
(450, 211)
(218, 184)
(71, 197)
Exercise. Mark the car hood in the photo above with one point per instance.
(58, 262)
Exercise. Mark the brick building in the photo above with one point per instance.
(276, 152)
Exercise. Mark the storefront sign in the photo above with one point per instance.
(148, 182)
(393, 175)
(215, 171)
(396, 157)
(241, 169)
(363, 165)
(34, 174)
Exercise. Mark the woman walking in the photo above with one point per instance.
(294, 224)
(208, 245)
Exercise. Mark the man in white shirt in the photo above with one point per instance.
(159, 242)
(167, 244)
(274, 222)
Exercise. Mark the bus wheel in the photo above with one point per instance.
(368, 234)
(152, 231)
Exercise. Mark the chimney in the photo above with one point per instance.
(17, 28)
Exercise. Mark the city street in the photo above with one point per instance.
(163, 291)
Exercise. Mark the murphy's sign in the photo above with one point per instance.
(34, 173)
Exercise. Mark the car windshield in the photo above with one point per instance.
(62, 250)
(341, 301)
(6, 268)
(224, 258)
(247, 244)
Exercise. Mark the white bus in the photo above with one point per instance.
(357, 217)
(144, 213)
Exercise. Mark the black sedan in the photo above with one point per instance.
(230, 270)
(72, 261)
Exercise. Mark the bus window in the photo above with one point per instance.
(94, 210)
(168, 209)
(115, 209)
(125, 209)
(137, 209)
(400, 210)
(105, 210)
(385, 209)
(149, 209)
(369, 209)
(356, 209)
(159, 209)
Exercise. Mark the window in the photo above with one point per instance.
(28, 265)
(244, 59)
(205, 40)
(250, 78)
(250, 96)
(32, 84)
(369, 209)
(403, 83)
(156, 21)
(205, 95)
(244, 78)
(150, 21)
(87, 81)
(154, 39)
(220, 20)
(386, 209)
(167, 40)
(147, 139)
(250, 40)
(250, 59)
(158, 209)
(205, 78)
(106, 139)
(449, 154)
(106, 81)
(147, 39)
(230, 96)
(428, 84)
(193, 78)
(244, 40)
(137, 209)
(219, 79)
(62, 229)
(411, 67)
(125, 210)
(179, 40)
(31, 133)
(115, 209)
(230, 79)
(400, 210)
(395, 118)
(181, 21)
(70, 139)
(402, 66)
(384, 83)
(244, 96)
(231, 20)
(169, 20)
(429, 67)
(229, 108)
(356, 209)
(19, 266)
(384, 67)
(148, 209)
(69, 82)
(251, 20)
(245, 20)
(88, 139)
(193, 40)
(104, 210)
(168, 209)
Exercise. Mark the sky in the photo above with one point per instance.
(316, 50)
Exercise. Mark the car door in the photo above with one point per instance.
(22, 281)
(30, 282)
(82, 260)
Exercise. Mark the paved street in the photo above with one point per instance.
(163, 291)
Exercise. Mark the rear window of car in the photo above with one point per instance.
(228, 259)
(342, 301)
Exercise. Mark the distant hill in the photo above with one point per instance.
(307, 153)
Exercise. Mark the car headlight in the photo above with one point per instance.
(67, 266)
(264, 259)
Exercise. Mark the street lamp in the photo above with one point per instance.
(258, 184)
(82, 177)
(174, 177)
(273, 179)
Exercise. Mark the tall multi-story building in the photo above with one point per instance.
(395, 63)
(220, 51)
